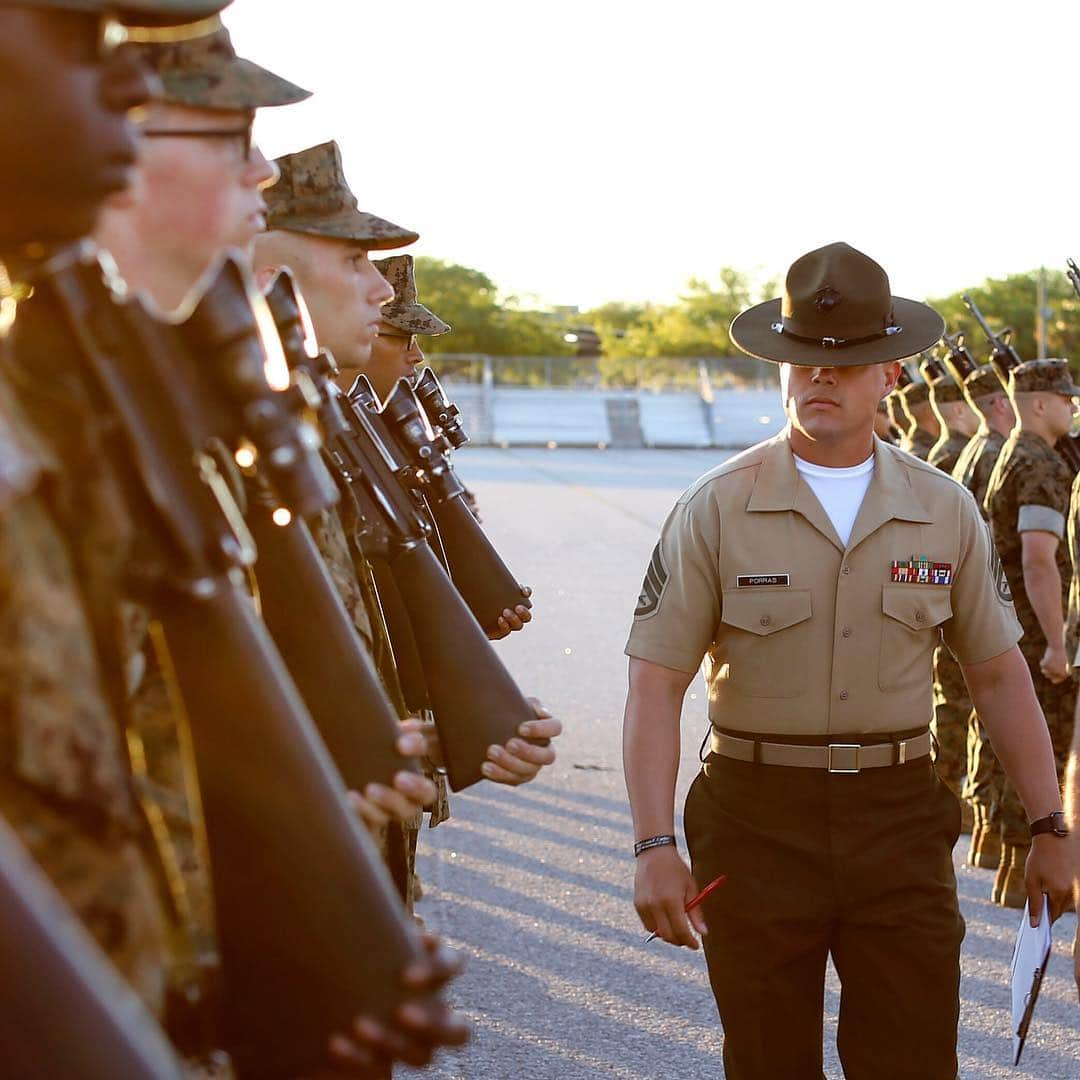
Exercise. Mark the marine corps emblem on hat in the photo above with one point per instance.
(1043, 376)
(313, 197)
(405, 312)
(837, 311)
(206, 73)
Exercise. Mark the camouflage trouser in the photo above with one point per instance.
(952, 710)
(1058, 701)
(984, 778)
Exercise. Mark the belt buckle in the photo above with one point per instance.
(834, 767)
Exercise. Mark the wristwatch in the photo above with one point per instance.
(1052, 823)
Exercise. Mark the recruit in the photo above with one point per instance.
(815, 574)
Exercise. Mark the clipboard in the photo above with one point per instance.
(1031, 955)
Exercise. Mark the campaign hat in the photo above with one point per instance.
(405, 312)
(205, 73)
(837, 310)
(152, 12)
(313, 197)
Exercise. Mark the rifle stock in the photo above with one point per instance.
(63, 1009)
(476, 568)
(311, 930)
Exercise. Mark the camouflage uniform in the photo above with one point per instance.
(313, 197)
(1029, 490)
(952, 703)
(405, 313)
(984, 773)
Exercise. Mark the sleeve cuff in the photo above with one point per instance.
(1041, 519)
(663, 655)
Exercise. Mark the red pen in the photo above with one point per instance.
(712, 886)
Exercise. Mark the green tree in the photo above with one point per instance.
(1012, 301)
(482, 321)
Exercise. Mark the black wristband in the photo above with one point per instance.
(651, 842)
(1053, 823)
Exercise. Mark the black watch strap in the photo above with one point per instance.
(1052, 823)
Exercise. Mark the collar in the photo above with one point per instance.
(891, 496)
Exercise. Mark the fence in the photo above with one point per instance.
(560, 401)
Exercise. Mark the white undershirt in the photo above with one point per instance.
(840, 491)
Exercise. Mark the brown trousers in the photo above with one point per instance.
(856, 866)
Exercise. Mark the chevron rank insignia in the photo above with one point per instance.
(655, 579)
(919, 570)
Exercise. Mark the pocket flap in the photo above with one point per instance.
(765, 611)
(917, 606)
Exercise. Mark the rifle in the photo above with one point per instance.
(334, 672)
(475, 567)
(311, 930)
(63, 1009)
(960, 361)
(476, 702)
(933, 370)
(1002, 354)
(1074, 275)
(441, 411)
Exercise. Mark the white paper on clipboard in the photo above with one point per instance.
(1030, 957)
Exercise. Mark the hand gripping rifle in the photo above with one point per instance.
(1002, 354)
(311, 930)
(476, 702)
(63, 1009)
(476, 568)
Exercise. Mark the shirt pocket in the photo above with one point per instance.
(912, 617)
(763, 632)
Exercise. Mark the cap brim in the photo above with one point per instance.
(240, 84)
(414, 319)
(752, 332)
(374, 233)
(144, 12)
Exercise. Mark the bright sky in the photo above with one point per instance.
(601, 150)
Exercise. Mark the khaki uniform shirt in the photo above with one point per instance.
(804, 637)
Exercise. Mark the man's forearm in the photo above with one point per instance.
(1005, 700)
(651, 750)
(1042, 582)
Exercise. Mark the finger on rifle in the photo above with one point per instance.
(416, 788)
(434, 1022)
(439, 966)
(547, 728)
(539, 709)
(531, 752)
(411, 744)
(367, 811)
(390, 801)
(526, 591)
(500, 775)
(501, 631)
(523, 613)
(348, 1054)
(513, 762)
(511, 619)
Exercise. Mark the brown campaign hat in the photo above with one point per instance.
(405, 312)
(837, 311)
(158, 12)
(1045, 376)
(313, 197)
(206, 73)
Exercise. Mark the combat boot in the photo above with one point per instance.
(1009, 889)
(985, 850)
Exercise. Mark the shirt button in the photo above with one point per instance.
(846, 631)
(920, 616)
(766, 620)
(843, 695)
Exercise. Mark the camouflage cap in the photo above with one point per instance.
(982, 382)
(405, 312)
(943, 387)
(1046, 376)
(158, 12)
(206, 73)
(313, 197)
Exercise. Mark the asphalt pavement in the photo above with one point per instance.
(534, 885)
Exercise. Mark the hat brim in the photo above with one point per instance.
(240, 84)
(414, 319)
(150, 12)
(752, 332)
(374, 233)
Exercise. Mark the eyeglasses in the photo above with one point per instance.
(112, 33)
(410, 338)
(241, 135)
